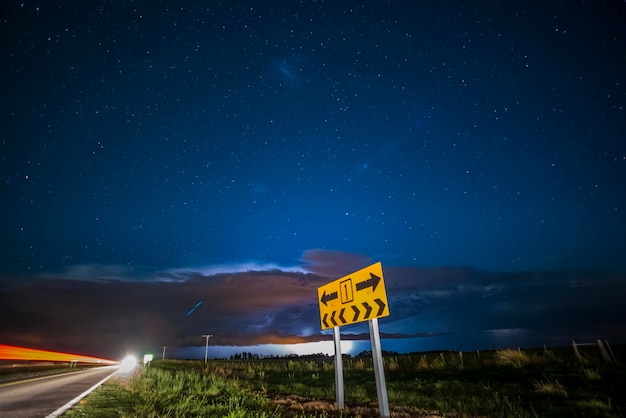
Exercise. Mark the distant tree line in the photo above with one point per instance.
(244, 355)
(368, 353)
(250, 356)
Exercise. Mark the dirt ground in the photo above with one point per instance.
(298, 404)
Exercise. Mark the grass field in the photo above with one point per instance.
(506, 383)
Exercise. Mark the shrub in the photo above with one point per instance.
(392, 363)
(550, 388)
(423, 363)
(359, 365)
(591, 374)
(515, 358)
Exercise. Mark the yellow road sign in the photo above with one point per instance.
(357, 297)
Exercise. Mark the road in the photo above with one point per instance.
(41, 396)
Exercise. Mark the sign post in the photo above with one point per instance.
(379, 369)
(357, 297)
(338, 368)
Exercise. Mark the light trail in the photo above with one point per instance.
(9, 352)
(194, 308)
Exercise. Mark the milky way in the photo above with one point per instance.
(148, 141)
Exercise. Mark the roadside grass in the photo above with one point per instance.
(515, 358)
(180, 393)
(154, 392)
(506, 383)
(112, 399)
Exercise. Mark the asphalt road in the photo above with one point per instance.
(41, 396)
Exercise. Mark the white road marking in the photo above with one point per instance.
(71, 403)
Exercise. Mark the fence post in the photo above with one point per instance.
(578, 356)
(603, 353)
(610, 351)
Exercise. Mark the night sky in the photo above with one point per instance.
(156, 154)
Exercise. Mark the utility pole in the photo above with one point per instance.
(206, 350)
(164, 353)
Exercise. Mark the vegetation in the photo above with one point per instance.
(507, 383)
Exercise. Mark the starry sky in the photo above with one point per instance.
(155, 154)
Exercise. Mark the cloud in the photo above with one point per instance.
(102, 311)
(548, 302)
(74, 314)
(182, 273)
(333, 264)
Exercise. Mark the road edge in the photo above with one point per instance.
(74, 401)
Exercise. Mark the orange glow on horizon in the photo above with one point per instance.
(9, 352)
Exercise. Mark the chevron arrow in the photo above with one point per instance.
(328, 297)
(341, 318)
(381, 306)
(332, 318)
(356, 313)
(371, 282)
(368, 310)
(324, 320)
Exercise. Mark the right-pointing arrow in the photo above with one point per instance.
(371, 282)
(381, 306)
(356, 313)
(368, 310)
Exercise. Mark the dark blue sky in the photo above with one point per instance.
(146, 142)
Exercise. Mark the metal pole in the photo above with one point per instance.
(206, 350)
(379, 369)
(338, 368)
(163, 353)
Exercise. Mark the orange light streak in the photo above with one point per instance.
(9, 352)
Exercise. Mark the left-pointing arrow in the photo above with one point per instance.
(324, 320)
(332, 318)
(341, 318)
(371, 282)
(328, 297)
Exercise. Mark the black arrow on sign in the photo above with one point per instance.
(381, 305)
(368, 310)
(332, 318)
(356, 313)
(328, 297)
(371, 282)
(341, 315)
(324, 320)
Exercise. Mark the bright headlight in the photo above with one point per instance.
(128, 364)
